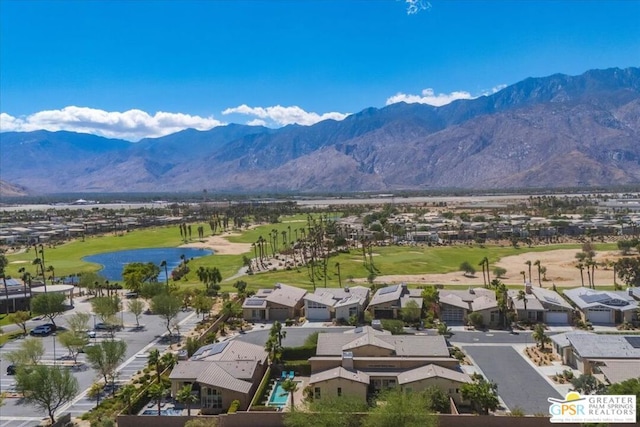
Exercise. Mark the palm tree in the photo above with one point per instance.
(484, 267)
(486, 261)
(53, 274)
(154, 360)
(580, 266)
(539, 335)
(524, 275)
(186, 396)
(126, 394)
(168, 361)
(522, 296)
(290, 387)
(3, 264)
(529, 265)
(166, 273)
(339, 276)
(537, 264)
(156, 392)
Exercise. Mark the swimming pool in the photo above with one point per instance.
(279, 397)
(165, 412)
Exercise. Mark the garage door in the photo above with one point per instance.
(599, 316)
(557, 318)
(452, 315)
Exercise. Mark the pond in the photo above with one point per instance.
(113, 262)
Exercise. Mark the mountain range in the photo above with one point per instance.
(555, 131)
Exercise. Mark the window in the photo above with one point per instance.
(316, 393)
(339, 391)
(212, 399)
(313, 304)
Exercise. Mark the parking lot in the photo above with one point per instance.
(139, 342)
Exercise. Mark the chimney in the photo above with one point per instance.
(346, 289)
(347, 360)
(630, 291)
(527, 287)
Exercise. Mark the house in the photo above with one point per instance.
(364, 361)
(456, 305)
(557, 311)
(615, 356)
(15, 296)
(603, 307)
(221, 373)
(388, 301)
(335, 303)
(280, 303)
(540, 305)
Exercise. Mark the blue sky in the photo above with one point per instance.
(109, 67)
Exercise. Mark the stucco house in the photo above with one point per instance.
(336, 303)
(388, 301)
(542, 305)
(456, 305)
(280, 303)
(364, 361)
(221, 373)
(603, 307)
(617, 357)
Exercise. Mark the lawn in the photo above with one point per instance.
(67, 258)
(388, 260)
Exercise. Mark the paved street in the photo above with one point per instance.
(519, 384)
(15, 414)
(295, 335)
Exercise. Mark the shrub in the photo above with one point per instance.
(298, 353)
(234, 407)
(396, 327)
(476, 319)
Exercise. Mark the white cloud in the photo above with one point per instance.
(256, 122)
(131, 125)
(283, 116)
(428, 96)
(415, 6)
(494, 89)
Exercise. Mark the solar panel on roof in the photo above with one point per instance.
(591, 298)
(253, 302)
(617, 302)
(218, 348)
(633, 341)
(388, 290)
(551, 300)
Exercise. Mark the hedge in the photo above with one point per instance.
(298, 353)
(300, 367)
(261, 388)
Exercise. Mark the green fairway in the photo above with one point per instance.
(387, 260)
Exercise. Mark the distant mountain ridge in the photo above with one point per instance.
(556, 131)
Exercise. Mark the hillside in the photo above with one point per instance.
(556, 131)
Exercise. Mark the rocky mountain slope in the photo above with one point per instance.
(556, 131)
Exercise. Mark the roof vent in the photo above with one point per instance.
(471, 291)
(346, 289)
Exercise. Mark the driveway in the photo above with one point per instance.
(519, 384)
(295, 335)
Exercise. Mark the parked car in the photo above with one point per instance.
(42, 330)
(11, 370)
(106, 327)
